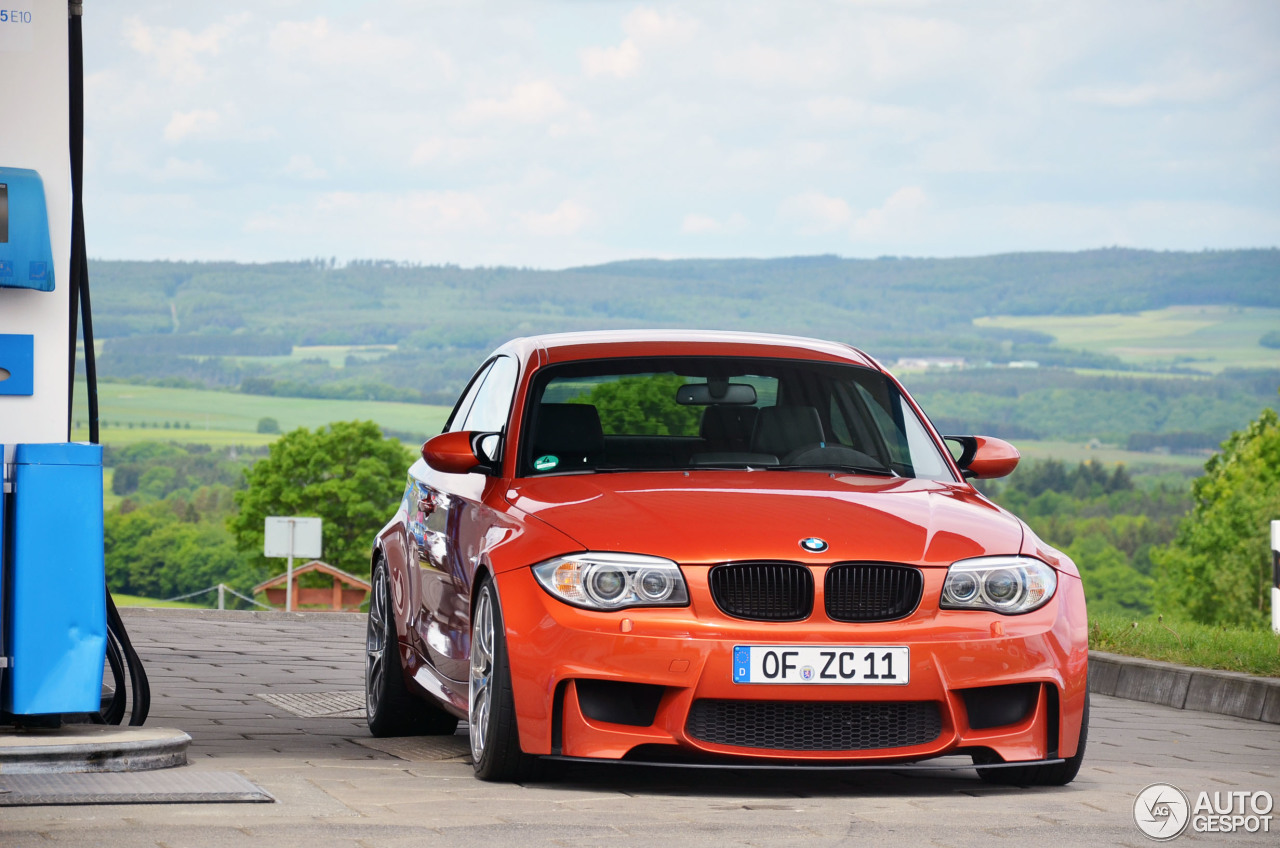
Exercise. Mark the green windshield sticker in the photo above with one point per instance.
(545, 463)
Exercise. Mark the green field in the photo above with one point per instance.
(334, 355)
(225, 418)
(1139, 462)
(136, 601)
(1203, 338)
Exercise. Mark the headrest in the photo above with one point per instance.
(728, 424)
(568, 428)
(782, 429)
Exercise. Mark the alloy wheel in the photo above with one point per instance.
(375, 644)
(479, 688)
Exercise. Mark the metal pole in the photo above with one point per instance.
(288, 586)
(222, 597)
(1275, 576)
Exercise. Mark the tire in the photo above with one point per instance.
(1058, 774)
(389, 707)
(495, 739)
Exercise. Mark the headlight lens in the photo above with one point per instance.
(1007, 584)
(609, 581)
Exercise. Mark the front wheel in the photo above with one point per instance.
(491, 715)
(389, 708)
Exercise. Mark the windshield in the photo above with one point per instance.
(684, 413)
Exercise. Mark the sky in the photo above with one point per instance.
(556, 134)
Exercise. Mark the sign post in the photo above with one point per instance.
(1275, 576)
(291, 537)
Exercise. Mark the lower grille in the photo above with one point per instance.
(814, 726)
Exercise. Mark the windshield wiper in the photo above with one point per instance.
(836, 466)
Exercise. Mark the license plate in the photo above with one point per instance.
(866, 664)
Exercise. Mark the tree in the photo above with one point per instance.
(1217, 569)
(345, 473)
(1111, 584)
(644, 406)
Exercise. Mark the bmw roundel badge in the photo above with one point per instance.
(813, 545)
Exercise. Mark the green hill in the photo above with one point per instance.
(392, 332)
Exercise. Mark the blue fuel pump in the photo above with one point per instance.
(54, 610)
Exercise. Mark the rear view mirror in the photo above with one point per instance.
(706, 394)
(984, 457)
(462, 452)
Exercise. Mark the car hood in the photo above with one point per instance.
(721, 516)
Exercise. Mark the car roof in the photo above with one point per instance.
(611, 344)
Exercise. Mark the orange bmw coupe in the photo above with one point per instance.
(719, 548)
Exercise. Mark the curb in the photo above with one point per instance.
(1223, 692)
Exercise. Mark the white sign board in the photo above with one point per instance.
(302, 533)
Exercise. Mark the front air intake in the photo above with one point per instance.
(815, 725)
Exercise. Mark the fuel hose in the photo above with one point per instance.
(122, 659)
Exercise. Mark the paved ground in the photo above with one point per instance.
(208, 670)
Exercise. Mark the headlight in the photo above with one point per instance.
(1006, 584)
(607, 581)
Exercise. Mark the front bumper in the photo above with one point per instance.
(646, 683)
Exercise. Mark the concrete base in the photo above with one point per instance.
(91, 748)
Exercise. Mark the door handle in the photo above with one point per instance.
(427, 504)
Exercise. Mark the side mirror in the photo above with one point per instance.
(984, 457)
(462, 452)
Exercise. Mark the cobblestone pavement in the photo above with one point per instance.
(209, 672)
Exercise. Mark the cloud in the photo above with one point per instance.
(1185, 89)
(814, 213)
(303, 167)
(652, 27)
(694, 224)
(177, 52)
(644, 27)
(900, 212)
(566, 219)
(449, 149)
(353, 49)
(390, 214)
(764, 64)
(194, 123)
(620, 61)
(530, 102)
(182, 170)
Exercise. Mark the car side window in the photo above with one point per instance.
(492, 404)
(460, 412)
(910, 446)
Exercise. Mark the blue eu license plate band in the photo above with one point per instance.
(880, 665)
